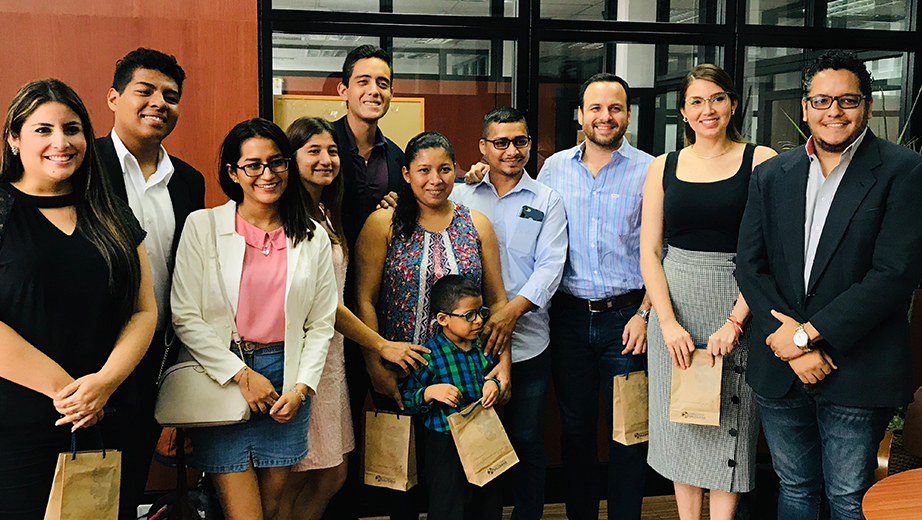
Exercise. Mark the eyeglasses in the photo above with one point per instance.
(256, 169)
(471, 315)
(502, 143)
(822, 102)
(716, 100)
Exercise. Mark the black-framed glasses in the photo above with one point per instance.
(822, 102)
(718, 99)
(502, 143)
(256, 169)
(471, 315)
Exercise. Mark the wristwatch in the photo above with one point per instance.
(644, 313)
(801, 339)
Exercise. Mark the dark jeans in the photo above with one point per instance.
(451, 497)
(523, 417)
(586, 354)
(819, 446)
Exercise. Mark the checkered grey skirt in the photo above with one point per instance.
(703, 290)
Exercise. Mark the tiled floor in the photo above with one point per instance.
(654, 508)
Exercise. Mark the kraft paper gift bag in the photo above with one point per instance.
(695, 395)
(630, 419)
(85, 485)
(390, 451)
(482, 443)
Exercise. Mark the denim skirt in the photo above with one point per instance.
(230, 448)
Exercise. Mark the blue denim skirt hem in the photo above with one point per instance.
(261, 440)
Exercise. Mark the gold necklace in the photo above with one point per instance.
(727, 149)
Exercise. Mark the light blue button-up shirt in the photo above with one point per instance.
(532, 252)
(603, 218)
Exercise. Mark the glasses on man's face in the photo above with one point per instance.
(502, 143)
(716, 100)
(472, 314)
(822, 102)
(256, 169)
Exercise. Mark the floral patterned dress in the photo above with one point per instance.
(413, 266)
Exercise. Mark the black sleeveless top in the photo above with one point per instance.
(705, 216)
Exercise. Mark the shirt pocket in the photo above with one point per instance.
(524, 237)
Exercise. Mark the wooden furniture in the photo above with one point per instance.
(897, 497)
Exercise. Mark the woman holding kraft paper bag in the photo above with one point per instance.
(77, 306)
(695, 199)
(257, 269)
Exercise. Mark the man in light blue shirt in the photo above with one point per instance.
(598, 317)
(531, 227)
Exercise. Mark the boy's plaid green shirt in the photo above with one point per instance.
(447, 364)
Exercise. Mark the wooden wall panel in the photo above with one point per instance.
(79, 42)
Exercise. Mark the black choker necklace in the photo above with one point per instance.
(49, 201)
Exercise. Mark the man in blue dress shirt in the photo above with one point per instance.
(531, 226)
(598, 317)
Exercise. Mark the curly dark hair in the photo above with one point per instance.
(142, 58)
(838, 59)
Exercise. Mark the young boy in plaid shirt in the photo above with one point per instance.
(453, 379)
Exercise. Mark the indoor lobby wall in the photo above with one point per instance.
(78, 42)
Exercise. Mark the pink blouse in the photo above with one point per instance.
(261, 305)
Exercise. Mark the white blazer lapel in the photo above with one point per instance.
(231, 248)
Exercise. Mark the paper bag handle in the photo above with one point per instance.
(627, 370)
(73, 443)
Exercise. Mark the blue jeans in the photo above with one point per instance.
(523, 416)
(586, 355)
(817, 445)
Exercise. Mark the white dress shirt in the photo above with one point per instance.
(150, 202)
(820, 193)
(532, 252)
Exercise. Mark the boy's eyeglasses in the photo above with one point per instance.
(472, 314)
(256, 169)
(502, 143)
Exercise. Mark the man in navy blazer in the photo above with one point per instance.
(161, 191)
(830, 251)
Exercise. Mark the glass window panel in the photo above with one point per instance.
(887, 15)
(887, 93)
(770, 97)
(673, 11)
(449, 7)
(776, 12)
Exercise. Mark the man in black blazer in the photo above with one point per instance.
(830, 251)
(161, 190)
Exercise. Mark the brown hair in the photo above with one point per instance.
(299, 133)
(719, 77)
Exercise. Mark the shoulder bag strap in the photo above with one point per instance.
(230, 308)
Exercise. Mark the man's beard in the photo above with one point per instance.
(840, 147)
(611, 142)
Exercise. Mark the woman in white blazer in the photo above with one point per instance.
(276, 269)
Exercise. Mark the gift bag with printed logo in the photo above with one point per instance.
(482, 443)
(390, 451)
(630, 419)
(85, 485)
(695, 397)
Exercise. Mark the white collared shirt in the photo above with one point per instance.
(151, 204)
(820, 193)
(533, 250)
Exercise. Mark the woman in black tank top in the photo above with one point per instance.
(694, 199)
